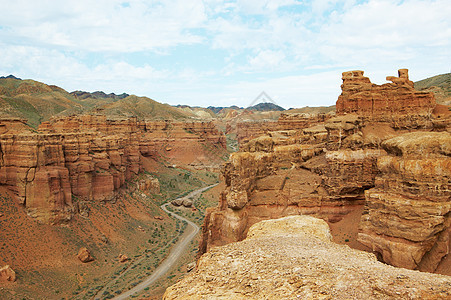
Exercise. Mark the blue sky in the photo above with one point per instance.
(222, 52)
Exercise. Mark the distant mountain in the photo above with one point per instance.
(33, 100)
(38, 102)
(266, 106)
(143, 108)
(10, 77)
(98, 95)
(440, 85)
(217, 109)
(313, 110)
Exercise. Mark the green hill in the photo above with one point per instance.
(440, 85)
(38, 102)
(144, 108)
(33, 100)
(266, 106)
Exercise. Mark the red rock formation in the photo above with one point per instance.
(328, 168)
(249, 130)
(392, 102)
(407, 216)
(270, 181)
(13, 125)
(90, 158)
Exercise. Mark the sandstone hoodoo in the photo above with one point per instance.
(361, 96)
(294, 258)
(383, 152)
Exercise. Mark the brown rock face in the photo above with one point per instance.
(249, 130)
(7, 274)
(90, 158)
(367, 157)
(407, 215)
(382, 102)
(271, 181)
(149, 184)
(84, 255)
(294, 258)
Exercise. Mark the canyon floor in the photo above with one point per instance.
(44, 256)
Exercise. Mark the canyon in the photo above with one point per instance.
(385, 153)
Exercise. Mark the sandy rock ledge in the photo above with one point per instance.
(294, 258)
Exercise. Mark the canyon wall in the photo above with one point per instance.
(249, 130)
(348, 161)
(407, 217)
(88, 158)
(397, 102)
(277, 175)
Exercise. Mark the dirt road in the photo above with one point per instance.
(177, 251)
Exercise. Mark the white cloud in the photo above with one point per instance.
(103, 25)
(54, 67)
(294, 50)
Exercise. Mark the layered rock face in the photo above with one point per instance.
(249, 130)
(89, 158)
(305, 173)
(294, 258)
(46, 170)
(407, 215)
(397, 103)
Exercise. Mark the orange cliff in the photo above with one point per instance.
(344, 164)
(248, 130)
(407, 217)
(87, 158)
(394, 102)
(276, 176)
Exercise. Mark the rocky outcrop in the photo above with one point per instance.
(148, 184)
(294, 258)
(248, 130)
(7, 274)
(270, 181)
(13, 125)
(397, 103)
(123, 258)
(46, 170)
(407, 217)
(84, 255)
(89, 158)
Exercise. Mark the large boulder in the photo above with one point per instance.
(7, 274)
(84, 255)
(294, 258)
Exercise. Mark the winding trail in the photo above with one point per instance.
(178, 250)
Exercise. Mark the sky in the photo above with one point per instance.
(222, 53)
